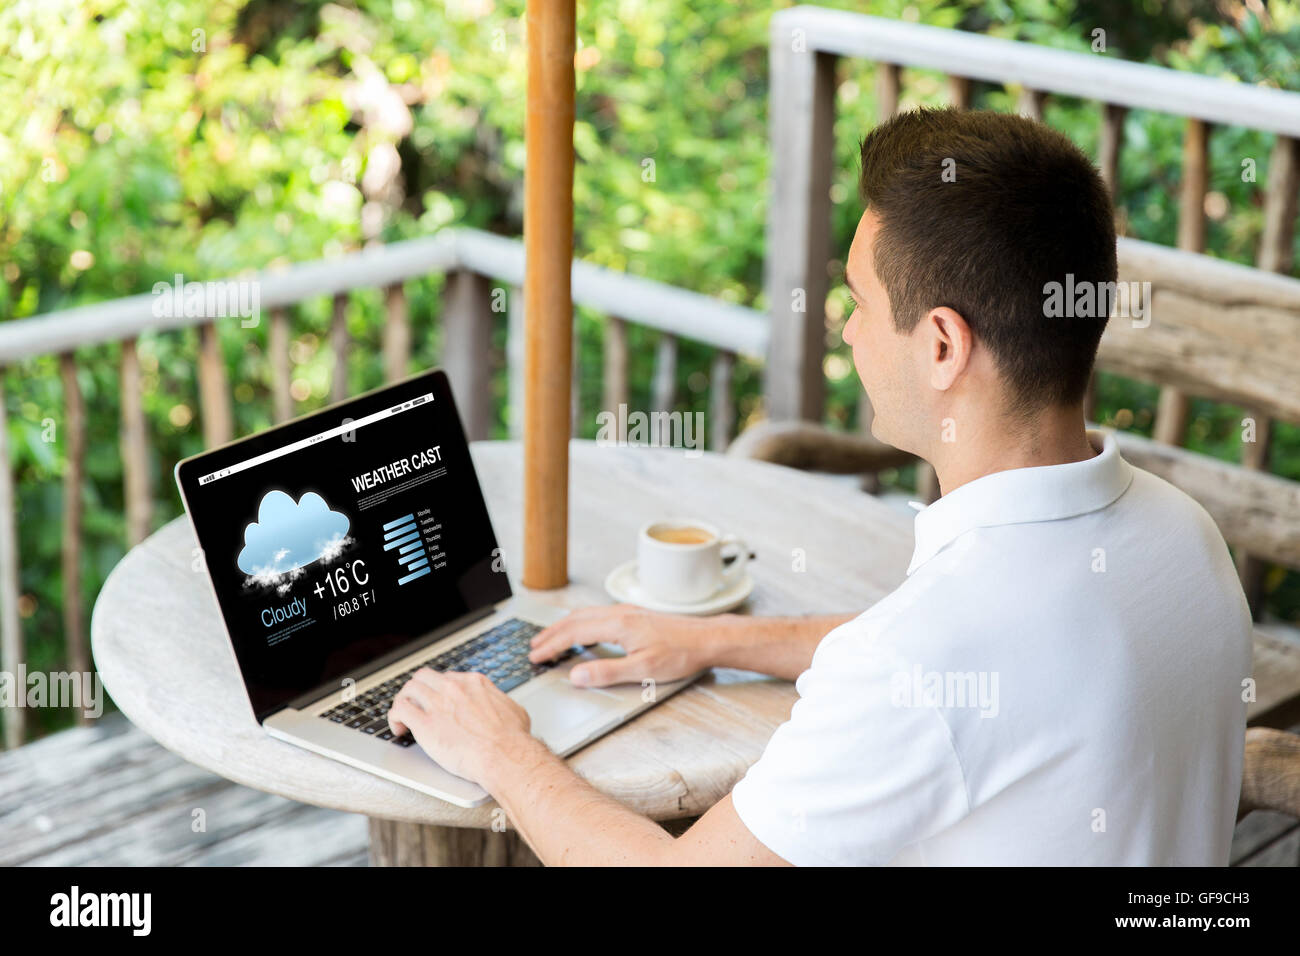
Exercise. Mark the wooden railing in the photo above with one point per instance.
(474, 262)
(806, 44)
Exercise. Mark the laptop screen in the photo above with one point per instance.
(336, 539)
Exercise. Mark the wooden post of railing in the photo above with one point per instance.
(339, 346)
(1275, 255)
(397, 333)
(214, 389)
(515, 361)
(135, 448)
(1109, 145)
(664, 388)
(1196, 181)
(466, 342)
(281, 368)
(798, 225)
(74, 445)
(722, 410)
(614, 373)
(1031, 102)
(1275, 247)
(575, 383)
(548, 299)
(1172, 411)
(889, 84)
(959, 92)
(11, 630)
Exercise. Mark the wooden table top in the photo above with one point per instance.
(163, 654)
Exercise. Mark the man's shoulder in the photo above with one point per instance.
(1148, 487)
(983, 580)
(935, 606)
(1189, 545)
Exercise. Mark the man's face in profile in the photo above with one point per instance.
(882, 356)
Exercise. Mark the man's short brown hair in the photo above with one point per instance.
(1020, 206)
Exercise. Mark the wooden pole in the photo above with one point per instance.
(74, 444)
(1174, 407)
(11, 625)
(548, 304)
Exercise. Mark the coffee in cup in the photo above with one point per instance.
(680, 561)
(682, 535)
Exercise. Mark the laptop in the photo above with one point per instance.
(352, 546)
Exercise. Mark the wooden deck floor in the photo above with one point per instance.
(108, 795)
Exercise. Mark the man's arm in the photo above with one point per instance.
(472, 729)
(568, 822)
(779, 646)
(668, 646)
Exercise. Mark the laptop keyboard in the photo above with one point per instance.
(501, 653)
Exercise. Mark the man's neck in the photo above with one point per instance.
(1054, 437)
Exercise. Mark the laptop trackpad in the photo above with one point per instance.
(560, 707)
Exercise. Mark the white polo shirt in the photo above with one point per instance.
(1058, 681)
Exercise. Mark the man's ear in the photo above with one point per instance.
(948, 343)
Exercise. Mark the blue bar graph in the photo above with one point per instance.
(410, 526)
(412, 560)
(401, 541)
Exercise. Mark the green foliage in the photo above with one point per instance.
(144, 138)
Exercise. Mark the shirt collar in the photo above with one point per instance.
(1021, 495)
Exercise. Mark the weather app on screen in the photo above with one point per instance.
(342, 537)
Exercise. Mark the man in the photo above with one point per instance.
(1058, 680)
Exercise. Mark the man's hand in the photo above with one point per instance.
(661, 647)
(464, 723)
(665, 647)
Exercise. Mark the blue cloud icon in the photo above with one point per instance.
(289, 534)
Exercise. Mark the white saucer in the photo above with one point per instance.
(623, 586)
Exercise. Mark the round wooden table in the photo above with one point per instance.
(821, 545)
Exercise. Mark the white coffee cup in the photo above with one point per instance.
(688, 570)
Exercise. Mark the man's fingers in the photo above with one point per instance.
(569, 624)
(419, 693)
(580, 616)
(558, 638)
(402, 715)
(428, 677)
(586, 626)
(610, 670)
